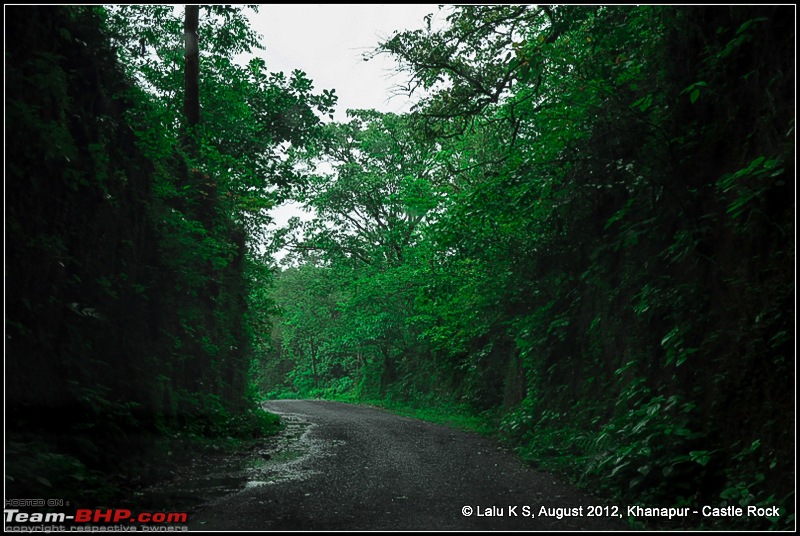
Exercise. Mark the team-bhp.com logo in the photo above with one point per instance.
(96, 515)
(86, 515)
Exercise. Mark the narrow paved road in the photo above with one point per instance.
(344, 467)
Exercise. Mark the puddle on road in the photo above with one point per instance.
(286, 457)
(274, 460)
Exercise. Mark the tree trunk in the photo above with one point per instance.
(314, 364)
(204, 186)
(191, 99)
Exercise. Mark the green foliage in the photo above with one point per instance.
(583, 230)
(751, 183)
(254, 123)
(436, 410)
(34, 467)
(212, 420)
(132, 238)
(584, 226)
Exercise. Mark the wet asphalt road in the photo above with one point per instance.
(345, 467)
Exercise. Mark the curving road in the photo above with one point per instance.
(344, 467)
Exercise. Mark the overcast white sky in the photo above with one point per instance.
(328, 42)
